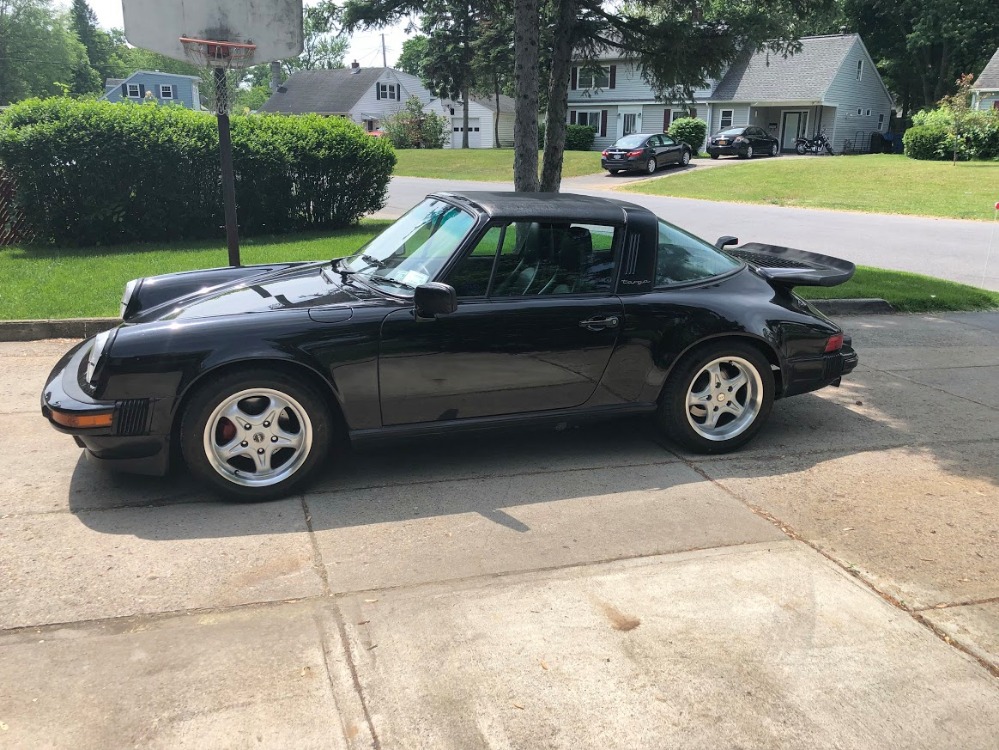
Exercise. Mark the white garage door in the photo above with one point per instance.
(474, 139)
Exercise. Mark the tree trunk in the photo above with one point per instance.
(525, 132)
(464, 118)
(558, 97)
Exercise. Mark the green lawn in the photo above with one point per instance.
(485, 164)
(875, 183)
(44, 282)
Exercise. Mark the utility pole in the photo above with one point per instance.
(384, 57)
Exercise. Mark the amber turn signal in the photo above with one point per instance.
(82, 420)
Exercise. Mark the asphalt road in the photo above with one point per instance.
(835, 584)
(945, 248)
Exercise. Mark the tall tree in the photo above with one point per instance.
(410, 60)
(447, 63)
(493, 60)
(39, 53)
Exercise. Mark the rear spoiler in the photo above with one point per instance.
(790, 267)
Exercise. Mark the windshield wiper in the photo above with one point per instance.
(393, 282)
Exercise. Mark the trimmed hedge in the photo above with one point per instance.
(579, 137)
(93, 172)
(927, 142)
(690, 130)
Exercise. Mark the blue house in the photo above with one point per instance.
(163, 88)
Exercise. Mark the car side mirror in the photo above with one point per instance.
(434, 299)
(725, 240)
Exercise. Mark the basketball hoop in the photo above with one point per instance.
(222, 57)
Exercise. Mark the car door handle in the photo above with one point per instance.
(599, 324)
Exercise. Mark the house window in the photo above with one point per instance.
(133, 91)
(589, 118)
(860, 70)
(860, 111)
(726, 119)
(868, 113)
(590, 79)
(881, 122)
(630, 124)
(386, 90)
(166, 91)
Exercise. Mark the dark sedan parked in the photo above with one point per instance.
(641, 152)
(473, 311)
(743, 142)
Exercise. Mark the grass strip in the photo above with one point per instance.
(875, 183)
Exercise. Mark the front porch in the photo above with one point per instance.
(788, 121)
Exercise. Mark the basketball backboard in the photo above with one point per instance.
(274, 26)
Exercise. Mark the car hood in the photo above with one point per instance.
(298, 287)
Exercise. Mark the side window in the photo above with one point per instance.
(667, 141)
(534, 258)
(655, 141)
(682, 258)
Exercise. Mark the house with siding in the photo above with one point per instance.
(152, 85)
(829, 85)
(985, 91)
(369, 95)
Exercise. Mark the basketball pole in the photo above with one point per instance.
(228, 179)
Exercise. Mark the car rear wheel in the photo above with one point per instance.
(650, 166)
(717, 398)
(613, 171)
(255, 436)
(713, 156)
(684, 158)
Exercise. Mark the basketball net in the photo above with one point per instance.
(225, 60)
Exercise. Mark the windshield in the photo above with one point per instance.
(732, 131)
(630, 141)
(414, 249)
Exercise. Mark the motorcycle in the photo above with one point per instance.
(813, 145)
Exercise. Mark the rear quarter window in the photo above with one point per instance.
(682, 258)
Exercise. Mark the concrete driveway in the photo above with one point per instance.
(835, 584)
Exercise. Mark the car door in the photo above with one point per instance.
(535, 326)
(656, 145)
(672, 150)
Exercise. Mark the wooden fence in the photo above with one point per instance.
(13, 227)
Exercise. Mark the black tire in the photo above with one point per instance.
(690, 389)
(294, 445)
(829, 149)
(773, 149)
(801, 149)
(684, 158)
(651, 166)
(749, 152)
(613, 171)
(713, 156)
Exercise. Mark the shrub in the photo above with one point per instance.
(690, 130)
(579, 137)
(93, 172)
(414, 127)
(927, 142)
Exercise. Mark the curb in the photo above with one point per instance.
(852, 306)
(81, 328)
(69, 328)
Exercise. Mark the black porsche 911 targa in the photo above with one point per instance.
(472, 311)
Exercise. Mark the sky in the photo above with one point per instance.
(365, 47)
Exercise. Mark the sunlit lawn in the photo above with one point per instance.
(485, 164)
(875, 183)
(41, 282)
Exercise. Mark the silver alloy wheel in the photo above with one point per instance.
(258, 437)
(685, 159)
(749, 152)
(773, 149)
(650, 167)
(724, 398)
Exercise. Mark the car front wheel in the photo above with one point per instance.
(650, 166)
(255, 436)
(773, 149)
(749, 152)
(684, 158)
(717, 398)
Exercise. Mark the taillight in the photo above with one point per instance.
(635, 154)
(604, 153)
(835, 343)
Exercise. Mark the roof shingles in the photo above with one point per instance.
(327, 92)
(989, 79)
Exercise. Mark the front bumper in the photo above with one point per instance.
(126, 444)
(730, 150)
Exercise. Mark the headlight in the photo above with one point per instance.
(126, 298)
(97, 350)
